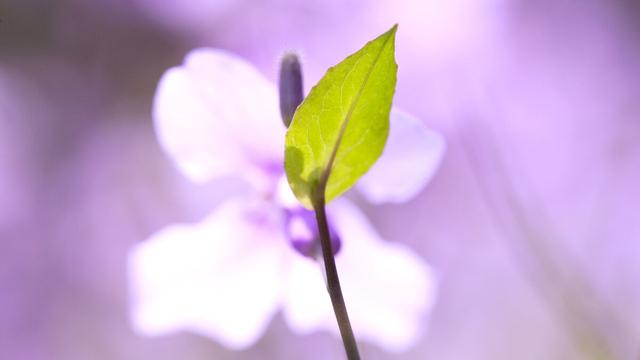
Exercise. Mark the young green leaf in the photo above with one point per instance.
(340, 129)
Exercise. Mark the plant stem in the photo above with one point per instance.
(333, 281)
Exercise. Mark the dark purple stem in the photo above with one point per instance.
(333, 281)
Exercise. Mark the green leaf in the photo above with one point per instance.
(340, 129)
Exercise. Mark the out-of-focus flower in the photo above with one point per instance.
(19, 103)
(227, 275)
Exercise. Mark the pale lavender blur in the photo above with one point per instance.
(532, 223)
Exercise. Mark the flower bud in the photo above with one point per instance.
(290, 86)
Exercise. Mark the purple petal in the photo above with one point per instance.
(410, 159)
(301, 229)
(388, 289)
(217, 115)
(220, 278)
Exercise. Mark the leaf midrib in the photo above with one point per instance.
(327, 171)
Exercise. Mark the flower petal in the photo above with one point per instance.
(387, 288)
(220, 278)
(217, 115)
(410, 158)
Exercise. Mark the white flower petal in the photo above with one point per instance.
(216, 115)
(220, 278)
(410, 158)
(388, 289)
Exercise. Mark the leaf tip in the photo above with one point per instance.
(392, 32)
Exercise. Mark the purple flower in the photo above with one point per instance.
(226, 276)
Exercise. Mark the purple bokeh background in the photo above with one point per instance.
(532, 223)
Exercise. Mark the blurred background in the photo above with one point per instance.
(532, 223)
